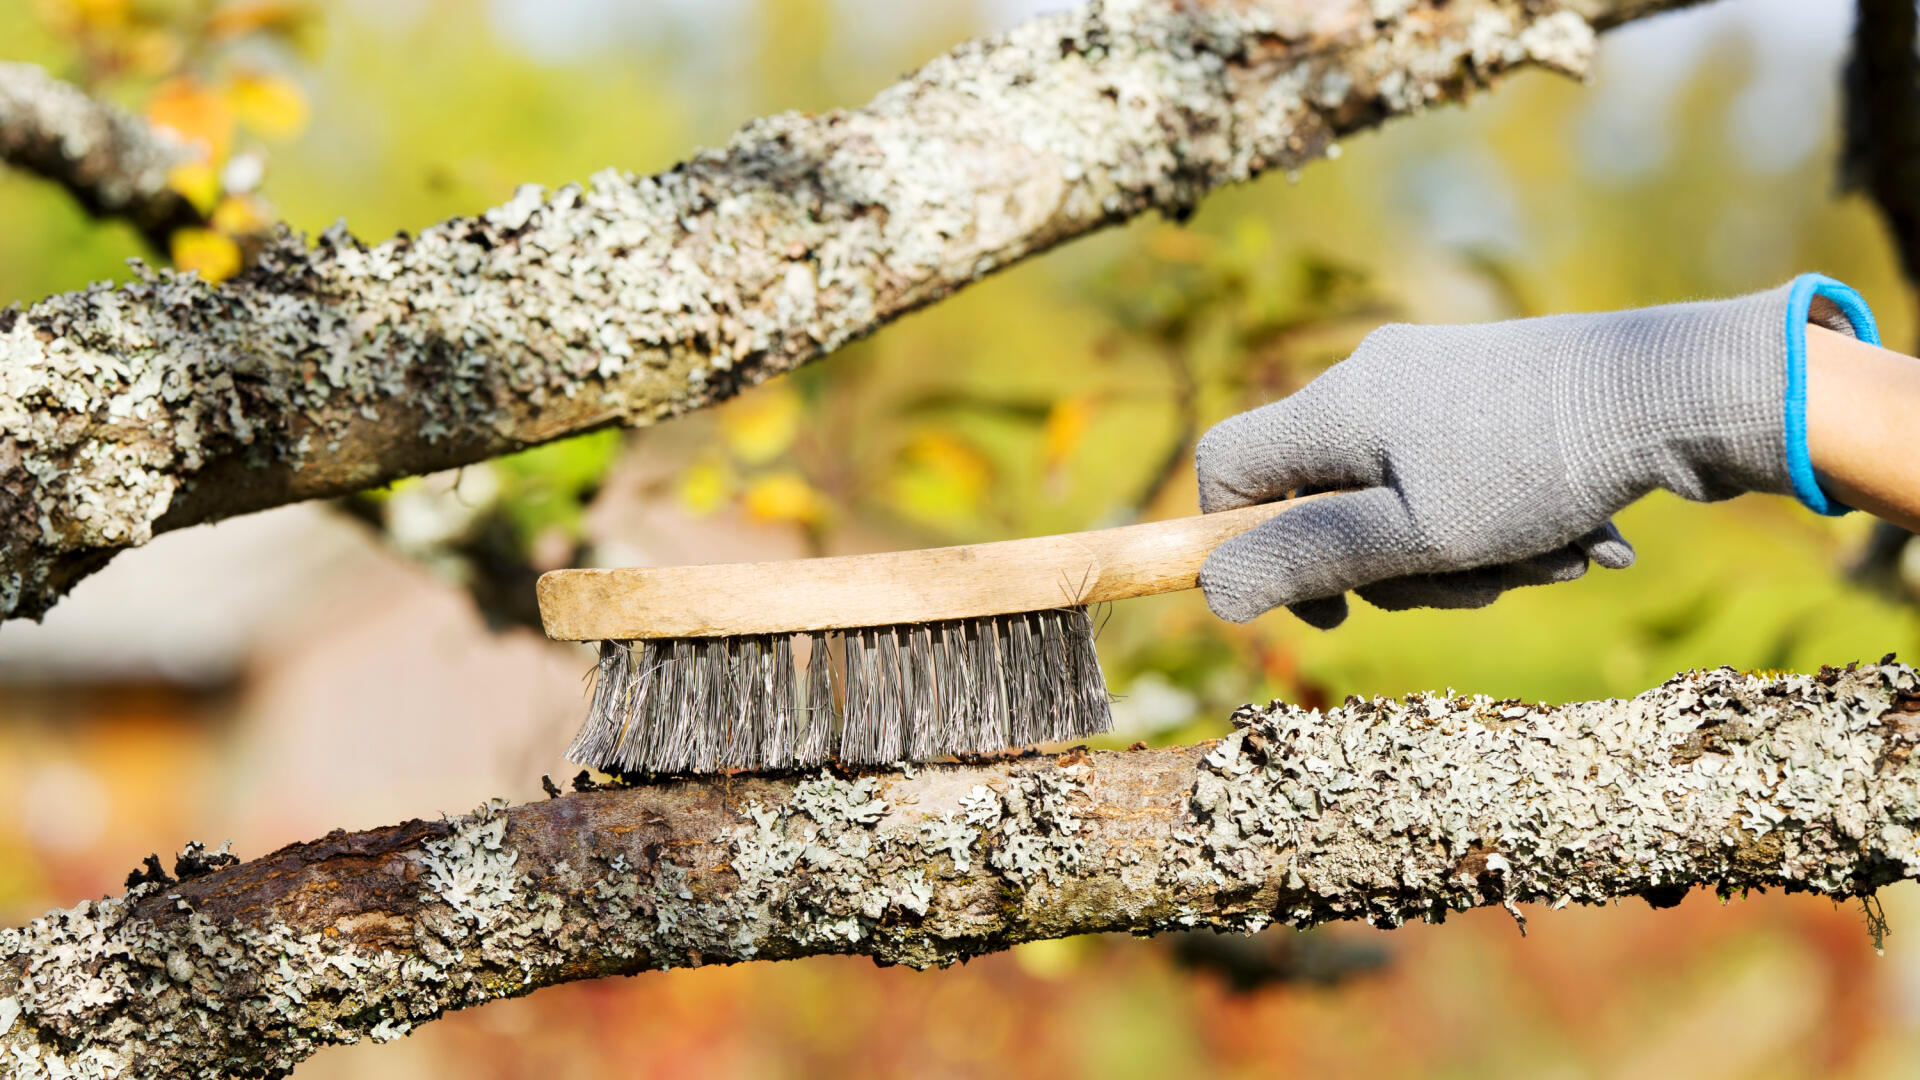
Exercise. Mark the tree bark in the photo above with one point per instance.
(110, 160)
(1380, 810)
(165, 402)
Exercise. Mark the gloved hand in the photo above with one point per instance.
(1487, 457)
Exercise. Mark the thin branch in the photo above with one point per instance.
(164, 402)
(1385, 811)
(113, 162)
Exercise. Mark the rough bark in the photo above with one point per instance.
(164, 402)
(113, 162)
(1385, 811)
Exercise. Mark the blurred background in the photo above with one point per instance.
(348, 665)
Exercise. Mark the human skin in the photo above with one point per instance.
(1863, 425)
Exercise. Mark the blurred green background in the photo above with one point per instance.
(270, 678)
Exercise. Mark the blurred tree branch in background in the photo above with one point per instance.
(1383, 811)
(1882, 159)
(178, 171)
(1248, 963)
(113, 162)
(119, 165)
(131, 410)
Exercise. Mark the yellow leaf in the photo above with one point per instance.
(196, 113)
(215, 255)
(275, 107)
(263, 16)
(941, 479)
(239, 215)
(761, 425)
(705, 486)
(784, 496)
(1065, 429)
(97, 14)
(198, 182)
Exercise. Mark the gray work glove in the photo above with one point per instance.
(1487, 457)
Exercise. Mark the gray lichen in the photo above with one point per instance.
(1390, 811)
(1378, 810)
(161, 402)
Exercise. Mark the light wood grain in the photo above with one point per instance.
(926, 585)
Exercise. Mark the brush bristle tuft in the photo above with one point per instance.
(865, 697)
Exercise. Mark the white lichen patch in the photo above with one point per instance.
(1039, 833)
(1562, 41)
(476, 898)
(470, 871)
(632, 298)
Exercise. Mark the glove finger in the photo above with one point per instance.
(1324, 613)
(1607, 547)
(1478, 587)
(1547, 568)
(1319, 549)
(1297, 442)
(1459, 589)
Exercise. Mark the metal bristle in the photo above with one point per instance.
(857, 711)
(816, 744)
(777, 691)
(991, 726)
(887, 706)
(868, 696)
(1021, 659)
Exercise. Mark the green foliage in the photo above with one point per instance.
(548, 487)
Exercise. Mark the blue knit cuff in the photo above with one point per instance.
(1799, 304)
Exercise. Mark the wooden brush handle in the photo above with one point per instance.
(928, 585)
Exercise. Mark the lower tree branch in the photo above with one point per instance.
(165, 402)
(113, 162)
(1385, 811)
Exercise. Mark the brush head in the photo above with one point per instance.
(869, 696)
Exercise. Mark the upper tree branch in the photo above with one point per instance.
(164, 402)
(110, 160)
(1384, 811)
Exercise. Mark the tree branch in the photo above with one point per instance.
(164, 402)
(1384, 811)
(113, 162)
